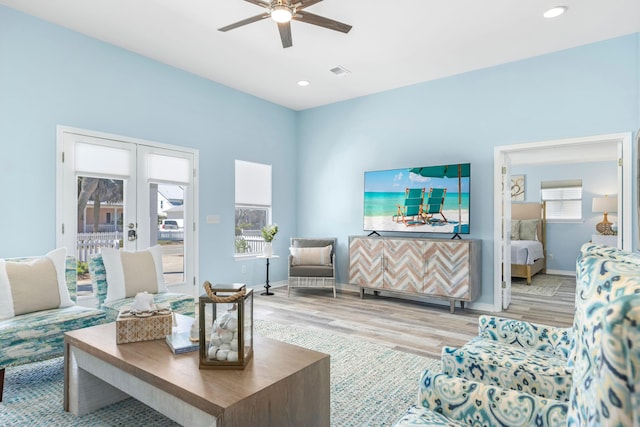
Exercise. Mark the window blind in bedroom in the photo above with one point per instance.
(564, 199)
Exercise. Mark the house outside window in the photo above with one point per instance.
(564, 199)
(252, 206)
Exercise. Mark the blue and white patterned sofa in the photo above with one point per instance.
(179, 303)
(604, 357)
(36, 336)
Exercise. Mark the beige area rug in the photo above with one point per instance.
(541, 284)
(371, 385)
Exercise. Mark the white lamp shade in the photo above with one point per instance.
(605, 204)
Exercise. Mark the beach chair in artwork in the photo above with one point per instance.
(409, 212)
(434, 205)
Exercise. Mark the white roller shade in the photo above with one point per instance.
(253, 183)
(168, 168)
(98, 159)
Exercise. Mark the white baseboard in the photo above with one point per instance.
(571, 273)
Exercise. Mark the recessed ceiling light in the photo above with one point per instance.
(554, 12)
(304, 83)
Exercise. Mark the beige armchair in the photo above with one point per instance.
(312, 263)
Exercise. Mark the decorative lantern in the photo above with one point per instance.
(226, 326)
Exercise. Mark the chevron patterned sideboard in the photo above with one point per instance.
(446, 269)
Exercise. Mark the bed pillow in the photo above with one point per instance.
(311, 256)
(515, 229)
(131, 272)
(35, 284)
(529, 229)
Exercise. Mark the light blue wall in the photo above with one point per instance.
(565, 238)
(50, 76)
(583, 91)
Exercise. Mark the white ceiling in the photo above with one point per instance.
(392, 43)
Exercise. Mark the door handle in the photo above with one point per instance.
(131, 234)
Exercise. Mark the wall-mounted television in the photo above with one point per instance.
(426, 199)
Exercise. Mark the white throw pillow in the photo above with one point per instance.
(33, 285)
(311, 256)
(131, 272)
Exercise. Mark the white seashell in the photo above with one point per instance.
(234, 344)
(215, 338)
(226, 336)
(232, 356)
(222, 354)
(232, 324)
(194, 332)
(223, 320)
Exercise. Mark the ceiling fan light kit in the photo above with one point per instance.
(282, 13)
(285, 11)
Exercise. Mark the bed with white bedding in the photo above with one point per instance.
(528, 250)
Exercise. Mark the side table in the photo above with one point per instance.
(266, 283)
(609, 240)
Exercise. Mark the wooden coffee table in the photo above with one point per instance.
(283, 385)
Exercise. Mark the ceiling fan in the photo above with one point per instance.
(283, 12)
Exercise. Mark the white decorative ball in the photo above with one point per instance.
(213, 350)
(225, 346)
(234, 344)
(222, 354)
(235, 335)
(232, 356)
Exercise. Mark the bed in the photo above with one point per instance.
(528, 240)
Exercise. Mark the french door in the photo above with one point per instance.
(119, 192)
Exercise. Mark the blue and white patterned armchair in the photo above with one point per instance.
(604, 357)
(519, 355)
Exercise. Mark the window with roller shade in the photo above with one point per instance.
(253, 206)
(564, 199)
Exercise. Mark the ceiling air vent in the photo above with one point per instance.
(340, 71)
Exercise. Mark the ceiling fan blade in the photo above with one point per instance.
(285, 34)
(320, 21)
(305, 3)
(264, 4)
(245, 22)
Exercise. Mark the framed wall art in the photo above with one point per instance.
(517, 188)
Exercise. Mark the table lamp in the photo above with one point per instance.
(605, 205)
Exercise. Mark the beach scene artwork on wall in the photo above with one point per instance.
(429, 199)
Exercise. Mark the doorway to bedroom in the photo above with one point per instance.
(533, 163)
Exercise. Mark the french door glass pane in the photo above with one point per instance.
(167, 228)
(100, 208)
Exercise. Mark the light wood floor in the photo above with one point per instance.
(414, 327)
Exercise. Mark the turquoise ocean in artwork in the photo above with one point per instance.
(382, 204)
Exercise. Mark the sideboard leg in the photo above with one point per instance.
(361, 292)
(462, 305)
(452, 305)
